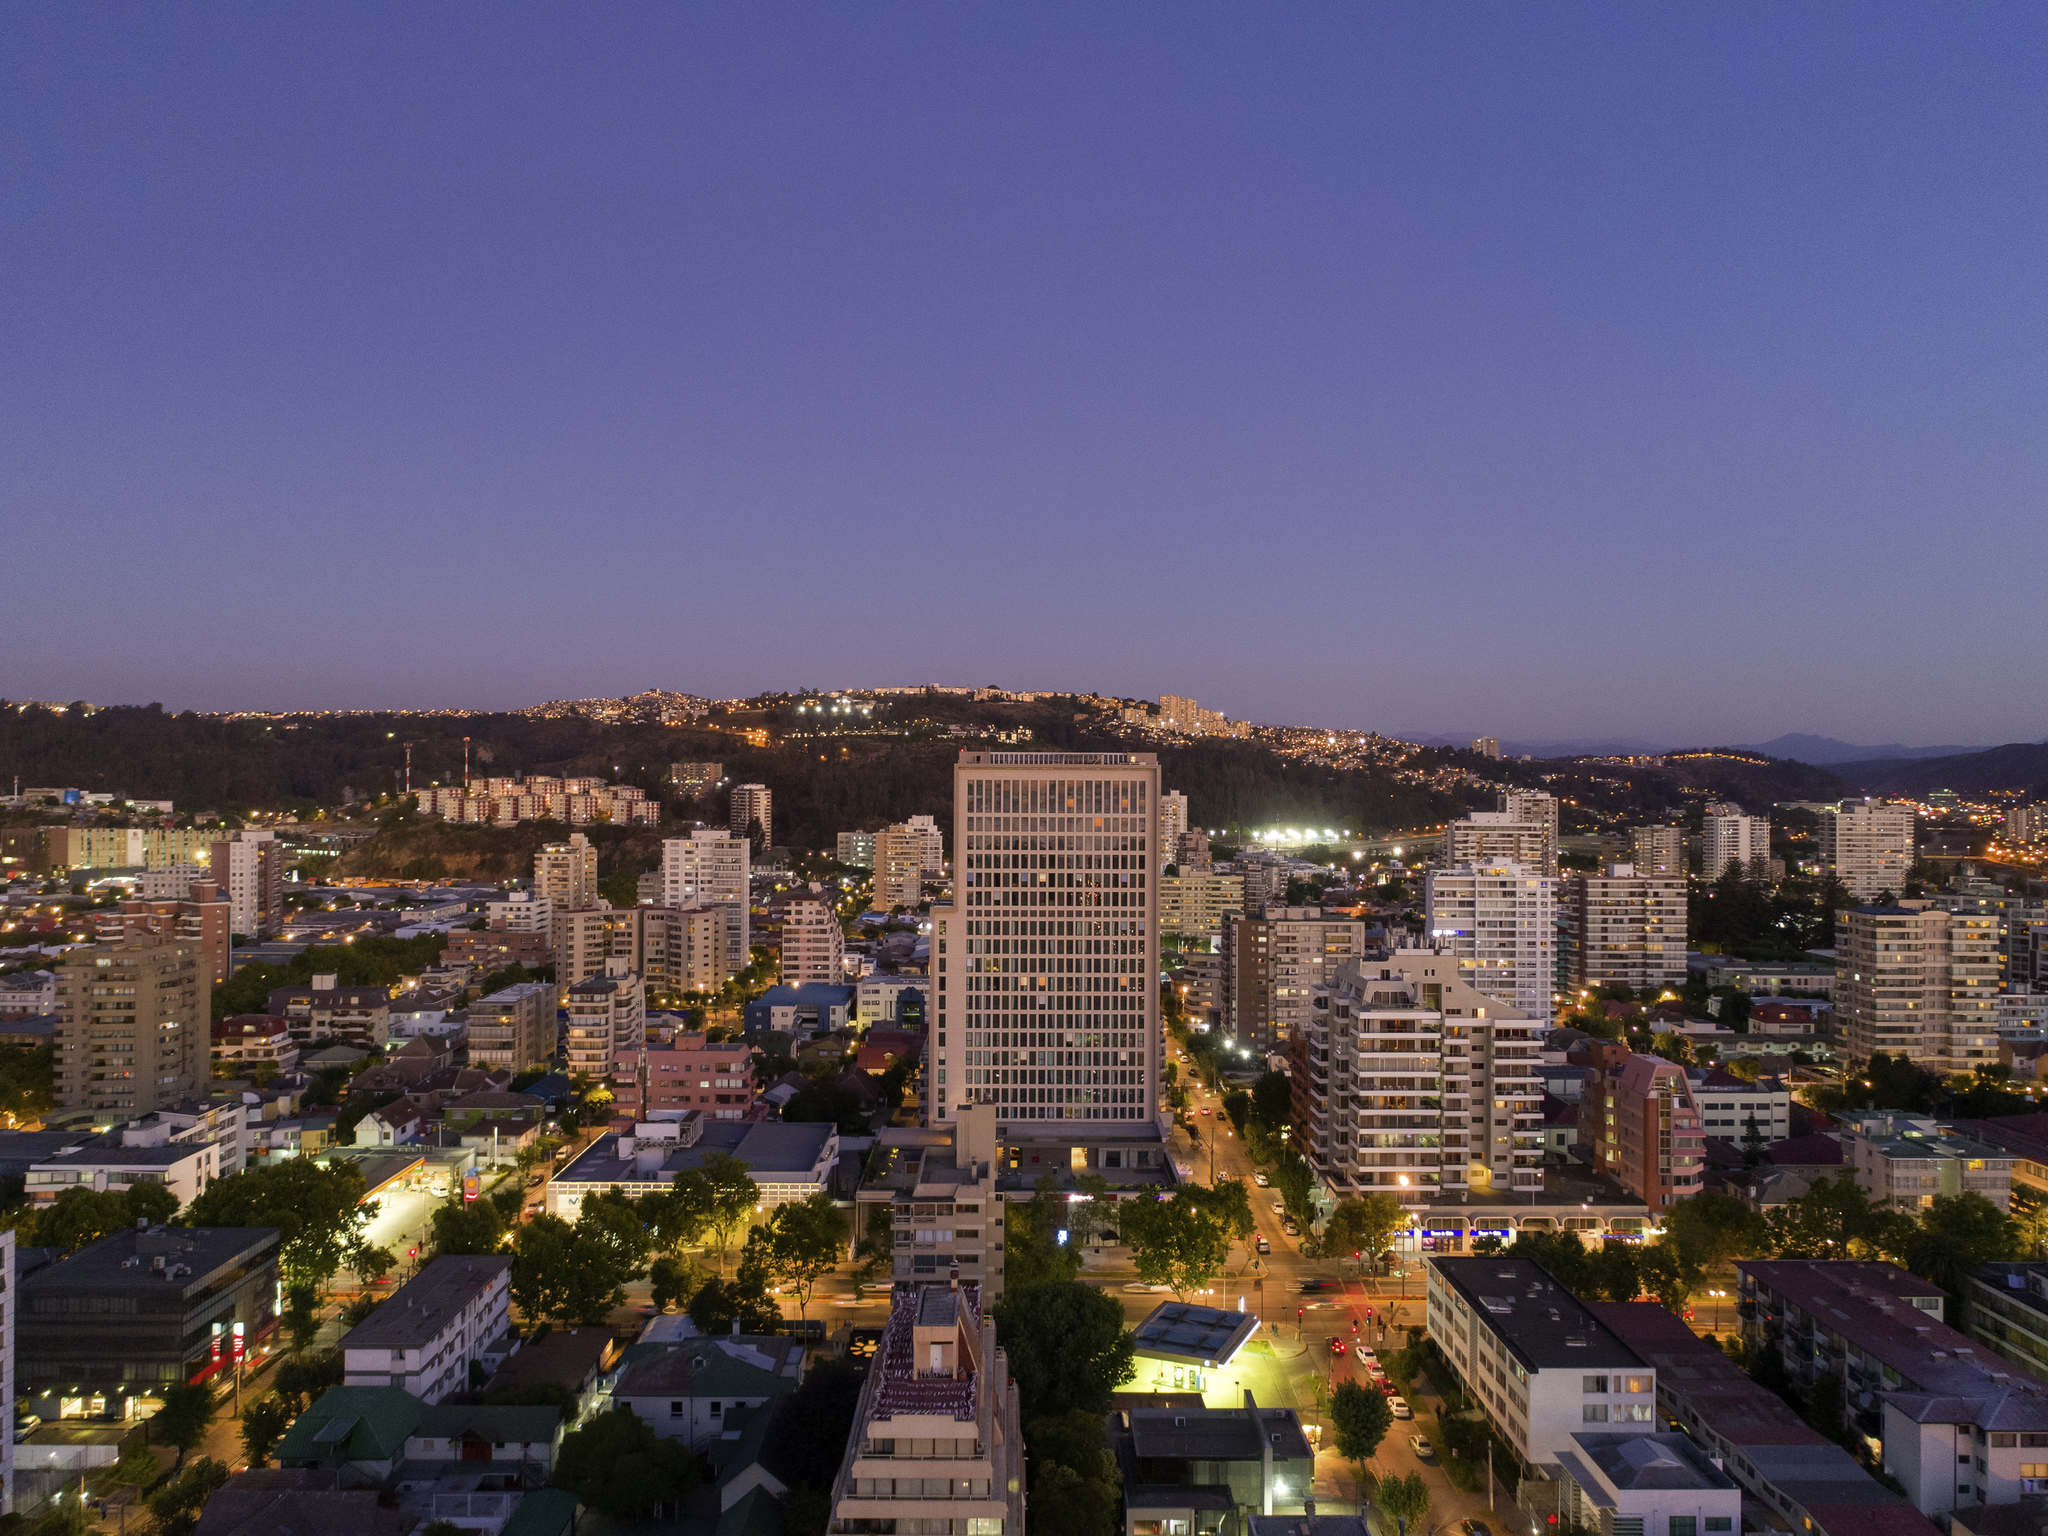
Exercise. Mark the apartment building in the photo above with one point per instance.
(249, 869)
(606, 1015)
(1272, 965)
(250, 1039)
(1907, 1160)
(1639, 1124)
(856, 850)
(1658, 851)
(514, 1027)
(1959, 1424)
(881, 999)
(1488, 836)
(937, 1190)
(1194, 905)
(200, 918)
(325, 1013)
(2008, 1312)
(1487, 746)
(752, 804)
(936, 1442)
(521, 912)
(1534, 1358)
(1916, 981)
(134, 1025)
(565, 874)
(1500, 920)
(1649, 1483)
(692, 779)
(1728, 837)
(674, 1072)
(1173, 822)
(433, 1328)
(1046, 961)
(1740, 1111)
(904, 856)
(711, 867)
(1868, 845)
(1409, 1081)
(1627, 928)
(813, 944)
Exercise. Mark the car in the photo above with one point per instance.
(1315, 1287)
(1262, 1245)
(26, 1424)
(1337, 1346)
(1420, 1445)
(1207, 1110)
(1384, 1386)
(1140, 1288)
(1474, 1528)
(1368, 1356)
(1400, 1408)
(1290, 1228)
(1262, 1181)
(1279, 1207)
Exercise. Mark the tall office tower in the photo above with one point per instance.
(1487, 746)
(1046, 960)
(711, 866)
(1173, 821)
(1868, 846)
(1916, 981)
(1500, 920)
(813, 946)
(856, 850)
(1408, 1081)
(565, 874)
(1487, 837)
(1272, 965)
(904, 854)
(249, 869)
(752, 803)
(514, 1027)
(1626, 928)
(134, 1025)
(607, 1015)
(1657, 850)
(1729, 837)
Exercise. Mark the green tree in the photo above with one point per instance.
(1832, 1220)
(1957, 1235)
(673, 1282)
(805, 1240)
(720, 1195)
(1068, 1346)
(1033, 1253)
(263, 1425)
(1178, 1242)
(1364, 1226)
(617, 1464)
(1664, 1271)
(467, 1226)
(877, 1244)
(1293, 1182)
(1361, 1419)
(1064, 1503)
(182, 1421)
(177, 1503)
(1405, 1499)
(1713, 1229)
(318, 1211)
(744, 1299)
(1615, 1272)
(1273, 1099)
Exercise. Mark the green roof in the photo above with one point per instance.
(544, 1512)
(500, 1424)
(352, 1424)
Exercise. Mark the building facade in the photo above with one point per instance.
(431, 1329)
(1916, 981)
(606, 1015)
(1194, 904)
(514, 1027)
(753, 804)
(1868, 845)
(1639, 1124)
(1728, 837)
(1627, 928)
(565, 874)
(249, 869)
(1500, 920)
(711, 868)
(134, 1025)
(1658, 851)
(813, 945)
(1272, 966)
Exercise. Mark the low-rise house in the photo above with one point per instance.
(267, 1501)
(690, 1391)
(356, 1435)
(1200, 1470)
(788, 1162)
(1660, 1485)
(431, 1332)
(578, 1360)
(527, 1437)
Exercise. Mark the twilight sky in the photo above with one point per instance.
(1677, 372)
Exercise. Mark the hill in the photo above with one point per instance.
(1828, 752)
(2017, 765)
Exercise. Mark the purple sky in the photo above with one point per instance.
(1538, 369)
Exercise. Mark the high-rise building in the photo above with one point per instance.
(936, 1444)
(1868, 846)
(1485, 837)
(692, 779)
(711, 866)
(1194, 904)
(607, 1015)
(2026, 824)
(199, 918)
(134, 1025)
(1173, 821)
(565, 874)
(1658, 850)
(1728, 837)
(1272, 966)
(900, 854)
(1487, 746)
(677, 951)
(1046, 961)
(1500, 920)
(1410, 1082)
(1626, 928)
(813, 945)
(857, 850)
(249, 869)
(1916, 981)
(753, 803)
(514, 1027)
(1640, 1125)
(931, 842)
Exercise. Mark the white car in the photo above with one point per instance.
(1400, 1408)
(1279, 1207)
(1420, 1445)
(1262, 1181)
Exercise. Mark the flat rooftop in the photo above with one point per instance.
(126, 1261)
(416, 1313)
(1216, 1434)
(1644, 1462)
(1544, 1325)
(1197, 1335)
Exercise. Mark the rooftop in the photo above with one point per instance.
(1545, 1326)
(1216, 1434)
(1197, 1335)
(768, 1148)
(417, 1312)
(733, 1366)
(127, 1261)
(1643, 1462)
(902, 1387)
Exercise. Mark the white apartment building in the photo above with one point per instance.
(521, 912)
(1907, 1161)
(879, 999)
(1727, 837)
(711, 866)
(1728, 1106)
(752, 803)
(1046, 961)
(565, 874)
(606, 1015)
(1916, 981)
(1627, 928)
(931, 843)
(856, 850)
(1868, 845)
(1658, 850)
(1410, 1082)
(1194, 904)
(1534, 1358)
(249, 869)
(813, 945)
(900, 854)
(425, 1336)
(1500, 920)
(1173, 821)
(1272, 966)
(1486, 837)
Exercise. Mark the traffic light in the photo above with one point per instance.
(413, 1252)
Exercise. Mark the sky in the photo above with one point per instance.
(1676, 372)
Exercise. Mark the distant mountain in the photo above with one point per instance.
(1827, 751)
(1577, 747)
(2019, 765)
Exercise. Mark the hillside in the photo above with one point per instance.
(2018, 765)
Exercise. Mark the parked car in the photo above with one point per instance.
(1262, 1181)
(1279, 1207)
(1400, 1408)
(1420, 1445)
(1367, 1355)
(1474, 1528)
(1262, 1245)
(1290, 1228)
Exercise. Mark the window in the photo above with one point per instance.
(717, 1407)
(1685, 1525)
(1720, 1523)
(1637, 1384)
(675, 1410)
(1595, 1413)
(1596, 1384)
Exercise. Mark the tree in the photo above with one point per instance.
(1361, 1419)
(1273, 1099)
(577, 1274)
(263, 1425)
(1614, 1273)
(1177, 1242)
(467, 1226)
(805, 1239)
(1406, 1499)
(1064, 1503)
(181, 1422)
(176, 1505)
(721, 1195)
(744, 1300)
(1033, 1253)
(618, 1464)
(1293, 1182)
(1364, 1226)
(1561, 1253)
(877, 1245)
(299, 1380)
(1958, 1235)
(674, 1282)
(1085, 1217)
(1825, 1222)
(1664, 1271)
(301, 1317)
(1712, 1229)
(1068, 1347)
(318, 1212)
